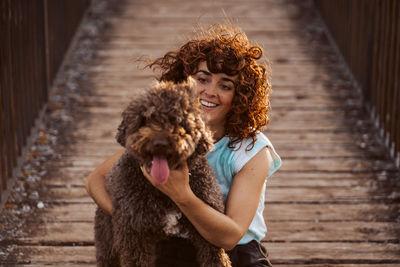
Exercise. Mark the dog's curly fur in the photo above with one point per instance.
(166, 121)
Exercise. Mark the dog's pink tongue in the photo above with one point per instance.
(159, 170)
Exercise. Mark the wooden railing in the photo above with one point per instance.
(367, 32)
(35, 36)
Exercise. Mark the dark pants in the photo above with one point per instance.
(175, 252)
(178, 252)
(252, 254)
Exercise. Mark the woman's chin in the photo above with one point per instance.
(205, 116)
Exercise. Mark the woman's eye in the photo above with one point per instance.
(201, 80)
(225, 87)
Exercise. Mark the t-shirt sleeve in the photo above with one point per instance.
(276, 161)
(242, 155)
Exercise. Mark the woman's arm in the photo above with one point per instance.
(95, 185)
(222, 230)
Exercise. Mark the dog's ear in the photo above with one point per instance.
(190, 86)
(191, 82)
(131, 122)
(205, 142)
(204, 146)
(121, 136)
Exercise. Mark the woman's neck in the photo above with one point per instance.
(218, 132)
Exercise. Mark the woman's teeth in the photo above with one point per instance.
(208, 104)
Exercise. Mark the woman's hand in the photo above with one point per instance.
(177, 186)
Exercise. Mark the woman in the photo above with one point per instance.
(234, 94)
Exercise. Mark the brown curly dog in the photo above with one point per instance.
(160, 129)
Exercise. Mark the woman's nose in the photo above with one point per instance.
(211, 89)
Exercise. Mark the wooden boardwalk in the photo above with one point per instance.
(335, 201)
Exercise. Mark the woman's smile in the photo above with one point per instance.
(207, 105)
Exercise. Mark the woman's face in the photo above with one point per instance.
(216, 92)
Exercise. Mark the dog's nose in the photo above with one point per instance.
(160, 143)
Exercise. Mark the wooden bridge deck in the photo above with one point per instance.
(335, 201)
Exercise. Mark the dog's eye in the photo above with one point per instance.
(174, 118)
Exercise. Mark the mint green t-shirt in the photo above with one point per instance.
(227, 162)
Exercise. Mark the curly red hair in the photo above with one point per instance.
(226, 49)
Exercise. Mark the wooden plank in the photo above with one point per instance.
(104, 144)
(80, 172)
(283, 38)
(72, 177)
(206, 10)
(356, 264)
(305, 253)
(130, 64)
(276, 124)
(280, 102)
(56, 255)
(142, 78)
(103, 75)
(148, 48)
(58, 233)
(67, 180)
(310, 179)
(76, 176)
(273, 127)
(329, 212)
(322, 194)
(128, 85)
(104, 147)
(327, 150)
(72, 212)
(282, 212)
(290, 164)
(336, 165)
(337, 194)
(89, 147)
(170, 26)
(277, 116)
(68, 194)
(104, 135)
(110, 55)
(278, 252)
(120, 50)
(315, 125)
(76, 233)
(319, 232)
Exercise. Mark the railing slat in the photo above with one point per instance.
(367, 34)
(35, 38)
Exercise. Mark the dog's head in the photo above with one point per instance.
(163, 127)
